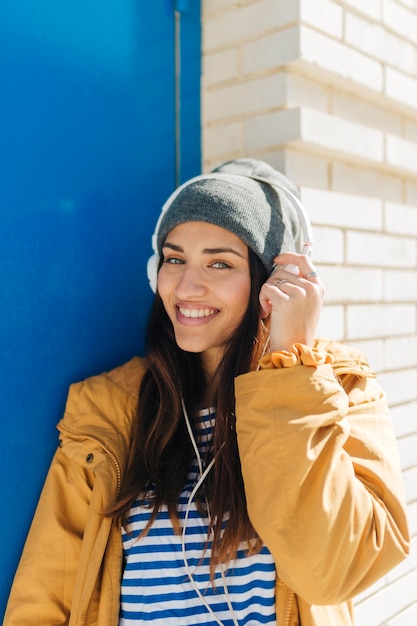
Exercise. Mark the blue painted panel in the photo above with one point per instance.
(87, 157)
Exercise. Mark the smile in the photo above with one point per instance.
(197, 313)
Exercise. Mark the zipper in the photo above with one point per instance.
(115, 462)
(288, 608)
(285, 598)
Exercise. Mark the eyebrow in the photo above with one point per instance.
(176, 248)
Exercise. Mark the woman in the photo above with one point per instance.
(244, 472)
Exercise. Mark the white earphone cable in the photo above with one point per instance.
(202, 476)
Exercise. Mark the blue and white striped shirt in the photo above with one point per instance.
(156, 585)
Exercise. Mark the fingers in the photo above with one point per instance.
(295, 269)
(293, 297)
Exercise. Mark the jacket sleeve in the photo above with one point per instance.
(43, 587)
(322, 475)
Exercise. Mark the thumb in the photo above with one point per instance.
(265, 301)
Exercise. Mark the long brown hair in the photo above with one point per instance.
(161, 450)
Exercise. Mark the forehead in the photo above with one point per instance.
(204, 235)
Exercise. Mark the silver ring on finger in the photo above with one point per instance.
(279, 282)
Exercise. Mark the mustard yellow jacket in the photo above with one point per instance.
(322, 480)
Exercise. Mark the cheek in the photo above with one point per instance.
(241, 295)
(162, 286)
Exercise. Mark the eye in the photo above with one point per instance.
(221, 265)
(173, 260)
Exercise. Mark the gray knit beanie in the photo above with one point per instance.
(262, 216)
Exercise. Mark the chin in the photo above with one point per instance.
(187, 347)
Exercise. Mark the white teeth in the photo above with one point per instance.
(196, 312)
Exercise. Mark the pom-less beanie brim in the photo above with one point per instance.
(257, 212)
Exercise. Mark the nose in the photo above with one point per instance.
(191, 283)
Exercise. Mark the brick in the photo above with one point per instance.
(222, 140)
(305, 168)
(380, 250)
(328, 245)
(208, 7)
(256, 94)
(341, 60)
(410, 130)
(406, 617)
(271, 51)
(304, 91)
(353, 108)
(401, 218)
(367, 321)
(371, 8)
(220, 31)
(349, 284)
(265, 15)
(400, 87)
(401, 352)
(360, 181)
(313, 127)
(342, 209)
(219, 67)
(245, 98)
(411, 192)
(332, 323)
(276, 159)
(387, 603)
(401, 153)
(375, 41)
(400, 286)
(246, 22)
(407, 449)
(323, 15)
(374, 352)
(412, 518)
(407, 3)
(334, 133)
(400, 386)
(272, 129)
(403, 417)
(400, 19)
(410, 483)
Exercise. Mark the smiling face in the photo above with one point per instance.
(204, 283)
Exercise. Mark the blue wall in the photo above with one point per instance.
(86, 160)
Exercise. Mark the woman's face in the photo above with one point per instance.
(204, 283)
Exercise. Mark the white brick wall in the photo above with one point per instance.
(326, 91)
